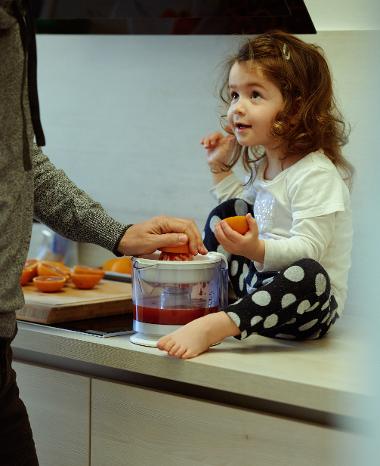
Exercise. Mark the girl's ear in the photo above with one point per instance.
(297, 102)
(295, 111)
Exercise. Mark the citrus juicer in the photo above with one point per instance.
(168, 294)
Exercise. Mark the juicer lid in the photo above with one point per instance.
(199, 262)
(154, 271)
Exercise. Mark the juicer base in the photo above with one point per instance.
(144, 340)
(149, 334)
(153, 330)
(149, 340)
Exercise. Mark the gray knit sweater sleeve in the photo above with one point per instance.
(61, 205)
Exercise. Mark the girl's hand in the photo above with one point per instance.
(219, 149)
(248, 245)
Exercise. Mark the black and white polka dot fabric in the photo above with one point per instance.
(294, 303)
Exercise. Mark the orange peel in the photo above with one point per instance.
(183, 249)
(238, 223)
(48, 284)
(85, 281)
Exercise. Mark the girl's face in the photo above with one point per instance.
(255, 102)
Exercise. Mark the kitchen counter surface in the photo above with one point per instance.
(321, 375)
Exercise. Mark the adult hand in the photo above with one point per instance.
(248, 245)
(158, 232)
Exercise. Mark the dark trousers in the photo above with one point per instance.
(16, 440)
(293, 303)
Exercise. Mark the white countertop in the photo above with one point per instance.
(324, 375)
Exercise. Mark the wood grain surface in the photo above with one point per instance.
(107, 298)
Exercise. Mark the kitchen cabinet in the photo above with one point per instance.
(58, 404)
(254, 402)
(138, 426)
(129, 425)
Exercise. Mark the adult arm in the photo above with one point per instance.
(68, 210)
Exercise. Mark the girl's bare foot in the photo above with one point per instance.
(197, 336)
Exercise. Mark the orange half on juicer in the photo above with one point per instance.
(176, 253)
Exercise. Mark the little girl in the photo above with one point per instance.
(289, 271)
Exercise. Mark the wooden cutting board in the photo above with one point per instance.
(106, 299)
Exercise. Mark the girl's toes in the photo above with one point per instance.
(175, 349)
(188, 354)
(181, 350)
(169, 344)
(162, 343)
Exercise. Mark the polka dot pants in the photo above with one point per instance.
(294, 303)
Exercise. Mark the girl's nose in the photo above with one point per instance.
(238, 108)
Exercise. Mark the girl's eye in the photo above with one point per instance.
(234, 95)
(256, 95)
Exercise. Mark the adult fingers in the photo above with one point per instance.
(184, 226)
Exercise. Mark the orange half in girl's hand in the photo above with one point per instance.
(49, 284)
(238, 223)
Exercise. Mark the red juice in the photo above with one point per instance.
(178, 316)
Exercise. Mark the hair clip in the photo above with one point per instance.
(286, 52)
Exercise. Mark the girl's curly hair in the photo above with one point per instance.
(310, 119)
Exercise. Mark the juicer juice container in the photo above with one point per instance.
(169, 294)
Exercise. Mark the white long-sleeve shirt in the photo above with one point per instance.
(304, 212)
